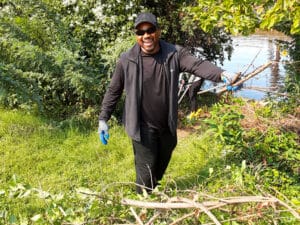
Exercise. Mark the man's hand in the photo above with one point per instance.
(229, 78)
(103, 132)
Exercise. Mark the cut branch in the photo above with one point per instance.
(248, 76)
(183, 204)
(207, 206)
(139, 221)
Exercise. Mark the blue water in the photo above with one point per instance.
(261, 49)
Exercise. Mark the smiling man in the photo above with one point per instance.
(147, 33)
(149, 74)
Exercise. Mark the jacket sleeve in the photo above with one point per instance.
(113, 93)
(199, 67)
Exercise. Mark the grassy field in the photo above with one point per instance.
(60, 159)
(57, 159)
(38, 156)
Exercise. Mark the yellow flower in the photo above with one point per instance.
(284, 52)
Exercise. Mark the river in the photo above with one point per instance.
(254, 51)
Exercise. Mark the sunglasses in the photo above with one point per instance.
(151, 30)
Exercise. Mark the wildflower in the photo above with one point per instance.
(68, 2)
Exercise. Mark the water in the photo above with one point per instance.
(261, 48)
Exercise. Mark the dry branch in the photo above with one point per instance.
(248, 76)
(183, 204)
(204, 209)
(267, 90)
(136, 216)
(237, 82)
(207, 206)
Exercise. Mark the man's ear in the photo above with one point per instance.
(158, 32)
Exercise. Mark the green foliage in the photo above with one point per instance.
(279, 150)
(15, 89)
(273, 147)
(243, 17)
(235, 16)
(59, 55)
(42, 56)
(75, 207)
(284, 16)
(54, 175)
(224, 122)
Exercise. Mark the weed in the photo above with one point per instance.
(52, 174)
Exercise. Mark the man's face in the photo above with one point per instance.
(149, 40)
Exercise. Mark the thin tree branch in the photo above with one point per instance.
(137, 218)
(248, 76)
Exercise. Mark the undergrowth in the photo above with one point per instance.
(54, 175)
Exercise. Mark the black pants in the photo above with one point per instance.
(152, 156)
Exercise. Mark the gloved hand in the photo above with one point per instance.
(228, 78)
(234, 88)
(103, 132)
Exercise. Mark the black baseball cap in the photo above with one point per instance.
(145, 17)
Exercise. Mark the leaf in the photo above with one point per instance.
(295, 29)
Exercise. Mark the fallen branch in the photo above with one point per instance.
(183, 204)
(251, 62)
(247, 77)
(207, 206)
(136, 216)
(267, 91)
(238, 82)
(205, 210)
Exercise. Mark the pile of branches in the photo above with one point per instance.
(260, 207)
(240, 79)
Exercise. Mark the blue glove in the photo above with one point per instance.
(103, 132)
(228, 79)
(234, 88)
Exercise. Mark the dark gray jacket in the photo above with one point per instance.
(128, 77)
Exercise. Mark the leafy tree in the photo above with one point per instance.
(57, 46)
(59, 54)
(211, 45)
(244, 16)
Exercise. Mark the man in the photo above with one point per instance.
(149, 73)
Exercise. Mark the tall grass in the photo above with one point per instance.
(43, 155)
(39, 153)
(57, 159)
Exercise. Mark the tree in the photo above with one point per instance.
(59, 54)
(53, 49)
(244, 16)
(58, 51)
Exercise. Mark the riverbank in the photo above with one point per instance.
(289, 122)
(53, 175)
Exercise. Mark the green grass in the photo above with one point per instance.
(60, 159)
(57, 159)
(37, 153)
